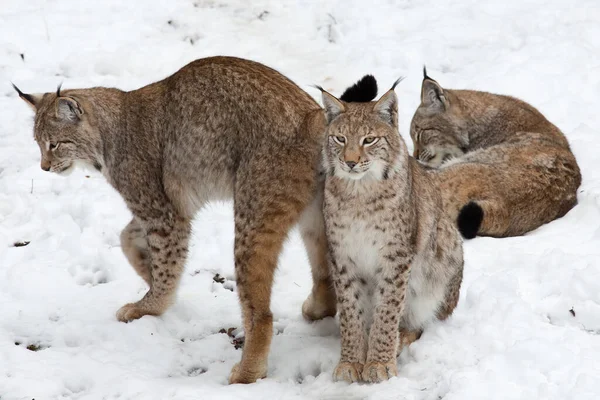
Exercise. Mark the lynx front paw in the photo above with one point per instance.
(375, 372)
(132, 311)
(347, 372)
(240, 375)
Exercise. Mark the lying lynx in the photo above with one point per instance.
(396, 258)
(218, 128)
(499, 158)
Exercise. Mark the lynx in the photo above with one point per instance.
(396, 258)
(219, 128)
(499, 159)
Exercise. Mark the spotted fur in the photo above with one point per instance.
(219, 128)
(395, 257)
(497, 152)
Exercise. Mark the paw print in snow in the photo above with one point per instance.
(89, 274)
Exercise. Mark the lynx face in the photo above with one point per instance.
(432, 145)
(436, 128)
(63, 132)
(362, 138)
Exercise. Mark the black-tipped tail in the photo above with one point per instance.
(362, 91)
(469, 220)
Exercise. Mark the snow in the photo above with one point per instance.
(512, 335)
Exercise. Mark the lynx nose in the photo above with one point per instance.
(46, 167)
(350, 164)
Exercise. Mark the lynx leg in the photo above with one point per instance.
(261, 226)
(353, 324)
(452, 295)
(167, 239)
(321, 302)
(135, 248)
(385, 331)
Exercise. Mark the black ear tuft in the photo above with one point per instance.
(58, 90)
(425, 76)
(21, 94)
(363, 91)
(469, 220)
(27, 97)
(397, 82)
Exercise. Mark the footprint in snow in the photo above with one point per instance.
(89, 275)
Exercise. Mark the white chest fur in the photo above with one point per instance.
(360, 247)
(360, 250)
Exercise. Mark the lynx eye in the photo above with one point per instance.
(370, 140)
(54, 146)
(341, 140)
(426, 155)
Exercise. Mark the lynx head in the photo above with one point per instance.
(63, 131)
(437, 128)
(362, 137)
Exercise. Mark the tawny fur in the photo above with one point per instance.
(218, 128)
(499, 152)
(396, 258)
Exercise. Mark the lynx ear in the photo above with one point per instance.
(387, 107)
(31, 99)
(333, 107)
(432, 94)
(67, 108)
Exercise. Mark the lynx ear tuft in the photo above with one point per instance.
(397, 82)
(31, 99)
(425, 76)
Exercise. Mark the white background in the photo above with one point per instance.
(512, 335)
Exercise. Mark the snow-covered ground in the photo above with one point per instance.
(512, 336)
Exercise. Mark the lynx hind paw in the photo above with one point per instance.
(375, 371)
(313, 310)
(132, 311)
(347, 372)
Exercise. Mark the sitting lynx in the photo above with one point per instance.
(396, 258)
(499, 158)
(220, 127)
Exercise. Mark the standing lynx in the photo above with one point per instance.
(218, 128)
(396, 258)
(499, 158)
